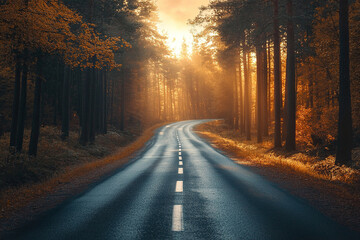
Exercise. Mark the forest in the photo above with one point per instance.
(97, 90)
(285, 70)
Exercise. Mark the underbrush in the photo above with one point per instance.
(317, 165)
(54, 155)
(61, 166)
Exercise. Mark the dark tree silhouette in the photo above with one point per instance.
(290, 82)
(22, 103)
(277, 77)
(35, 129)
(344, 140)
(15, 107)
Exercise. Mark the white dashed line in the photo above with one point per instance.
(161, 133)
(177, 219)
(179, 153)
(180, 163)
(180, 158)
(180, 171)
(179, 186)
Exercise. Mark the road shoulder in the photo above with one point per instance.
(27, 203)
(336, 199)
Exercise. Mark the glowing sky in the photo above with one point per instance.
(174, 15)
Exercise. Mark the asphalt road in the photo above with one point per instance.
(179, 187)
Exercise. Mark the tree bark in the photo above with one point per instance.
(236, 101)
(15, 107)
(290, 144)
(105, 103)
(35, 128)
(264, 96)
(22, 104)
(241, 102)
(259, 108)
(277, 77)
(92, 107)
(65, 104)
(85, 112)
(247, 112)
(122, 103)
(344, 141)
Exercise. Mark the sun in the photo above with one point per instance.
(176, 39)
(174, 16)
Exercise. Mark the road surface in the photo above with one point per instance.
(179, 187)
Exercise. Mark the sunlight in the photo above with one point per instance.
(174, 16)
(175, 40)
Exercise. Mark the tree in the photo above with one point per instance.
(277, 76)
(35, 129)
(344, 139)
(290, 144)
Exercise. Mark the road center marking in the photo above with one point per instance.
(179, 153)
(161, 133)
(179, 186)
(177, 219)
(180, 158)
(180, 171)
(180, 163)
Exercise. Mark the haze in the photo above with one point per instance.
(174, 15)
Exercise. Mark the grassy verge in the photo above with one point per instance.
(333, 190)
(262, 153)
(63, 166)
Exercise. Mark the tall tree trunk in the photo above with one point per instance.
(112, 101)
(92, 118)
(290, 144)
(15, 107)
(241, 102)
(250, 98)
(122, 103)
(259, 82)
(56, 92)
(344, 141)
(269, 86)
(247, 112)
(265, 92)
(165, 102)
(105, 102)
(85, 112)
(22, 103)
(65, 118)
(236, 100)
(277, 77)
(35, 129)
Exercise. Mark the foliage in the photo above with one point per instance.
(51, 27)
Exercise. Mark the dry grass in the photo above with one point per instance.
(69, 161)
(309, 174)
(253, 153)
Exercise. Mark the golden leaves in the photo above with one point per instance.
(49, 26)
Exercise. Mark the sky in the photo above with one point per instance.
(174, 16)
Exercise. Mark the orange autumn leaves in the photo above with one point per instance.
(51, 27)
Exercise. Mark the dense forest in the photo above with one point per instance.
(292, 68)
(282, 68)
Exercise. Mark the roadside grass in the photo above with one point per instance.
(23, 179)
(250, 153)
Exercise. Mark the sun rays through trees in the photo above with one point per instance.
(269, 68)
